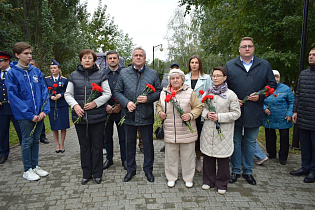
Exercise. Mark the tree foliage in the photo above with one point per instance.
(275, 26)
(184, 41)
(59, 29)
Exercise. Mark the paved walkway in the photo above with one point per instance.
(62, 189)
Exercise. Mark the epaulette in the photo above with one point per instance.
(63, 77)
(47, 77)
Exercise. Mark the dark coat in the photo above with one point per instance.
(82, 80)
(244, 83)
(304, 103)
(130, 85)
(112, 81)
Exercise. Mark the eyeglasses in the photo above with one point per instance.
(246, 46)
(216, 76)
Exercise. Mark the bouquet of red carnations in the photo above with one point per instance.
(266, 91)
(148, 89)
(171, 98)
(207, 100)
(96, 90)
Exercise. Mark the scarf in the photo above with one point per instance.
(219, 90)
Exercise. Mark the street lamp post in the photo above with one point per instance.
(161, 49)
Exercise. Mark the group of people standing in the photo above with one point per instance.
(202, 114)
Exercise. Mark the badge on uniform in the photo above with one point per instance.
(35, 79)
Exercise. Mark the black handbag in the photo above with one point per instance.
(159, 132)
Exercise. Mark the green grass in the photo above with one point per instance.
(262, 139)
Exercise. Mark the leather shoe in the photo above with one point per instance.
(309, 178)
(150, 177)
(283, 162)
(85, 181)
(44, 140)
(234, 177)
(249, 178)
(124, 164)
(129, 176)
(3, 159)
(107, 164)
(98, 180)
(299, 172)
(162, 149)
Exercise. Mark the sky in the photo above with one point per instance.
(144, 20)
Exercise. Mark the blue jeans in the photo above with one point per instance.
(307, 139)
(258, 153)
(30, 143)
(244, 157)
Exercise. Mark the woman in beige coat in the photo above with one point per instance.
(179, 140)
(218, 148)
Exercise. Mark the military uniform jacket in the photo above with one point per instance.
(62, 83)
(5, 108)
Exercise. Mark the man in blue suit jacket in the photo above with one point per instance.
(5, 110)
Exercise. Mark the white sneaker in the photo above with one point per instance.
(222, 192)
(262, 161)
(30, 175)
(104, 152)
(205, 187)
(189, 184)
(40, 172)
(171, 184)
(198, 165)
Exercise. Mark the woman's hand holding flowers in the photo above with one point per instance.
(267, 111)
(213, 116)
(78, 110)
(162, 115)
(89, 106)
(186, 117)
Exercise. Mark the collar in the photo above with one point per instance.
(250, 62)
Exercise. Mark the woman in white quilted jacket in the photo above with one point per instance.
(216, 142)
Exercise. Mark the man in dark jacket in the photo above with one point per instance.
(6, 114)
(247, 75)
(113, 110)
(129, 90)
(304, 116)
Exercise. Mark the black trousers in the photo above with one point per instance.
(271, 140)
(109, 142)
(91, 148)
(199, 126)
(308, 150)
(131, 142)
(211, 176)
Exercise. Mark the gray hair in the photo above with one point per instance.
(176, 71)
(139, 48)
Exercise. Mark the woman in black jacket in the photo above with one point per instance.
(91, 125)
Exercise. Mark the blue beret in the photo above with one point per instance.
(54, 62)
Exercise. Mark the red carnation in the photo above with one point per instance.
(271, 91)
(55, 85)
(173, 94)
(168, 98)
(93, 84)
(49, 88)
(201, 92)
(54, 92)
